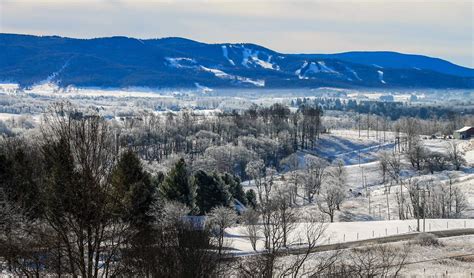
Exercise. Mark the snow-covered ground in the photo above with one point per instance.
(449, 259)
(358, 221)
(348, 146)
(350, 231)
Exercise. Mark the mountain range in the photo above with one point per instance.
(183, 63)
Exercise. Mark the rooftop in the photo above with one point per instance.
(466, 128)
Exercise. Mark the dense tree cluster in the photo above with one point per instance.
(225, 142)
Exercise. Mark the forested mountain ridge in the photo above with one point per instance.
(182, 63)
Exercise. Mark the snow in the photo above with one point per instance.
(245, 56)
(354, 73)
(451, 246)
(180, 62)
(8, 87)
(357, 220)
(203, 89)
(249, 56)
(218, 73)
(313, 67)
(340, 232)
(381, 76)
(325, 68)
(310, 68)
(258, 82)
(426, 261)
(54, 75)
(469, 156)
(298, 71)
(466, 128)
(223, 75)
(351, 150)
(52, 90)
(225, 53)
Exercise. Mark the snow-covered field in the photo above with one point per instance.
(351, 231)
(356, 221)
(452, 258)
(346, 145)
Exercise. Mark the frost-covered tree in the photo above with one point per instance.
(330, 199)
(455, 155)
(315, 176)
(291, 164)
(221, 218)
(250, 218)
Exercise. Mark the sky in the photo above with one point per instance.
(438, 28)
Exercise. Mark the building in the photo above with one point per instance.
(464, 133)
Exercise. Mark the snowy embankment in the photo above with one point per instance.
(351, 231)
(352, 148)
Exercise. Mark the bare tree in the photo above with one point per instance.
(255, 170)
(315, 176)
(455, 155)
(251, 220)
(460, 202)
(221, 218)
(378, 261)
(291, 163)
(384, 159)
(410, 127)
(436, 161)
(338, 178)
(417, 153)
(394, 167)
(287, 214)
(330, 199)
(283, 262)
(310, 236)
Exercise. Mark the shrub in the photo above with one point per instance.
(426, 239)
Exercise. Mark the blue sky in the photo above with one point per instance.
(435, 28)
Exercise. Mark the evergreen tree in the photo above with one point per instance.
(211, 191)
(177, 187)
(251, 198)
(235, 188)
(20, 179)
(62, 183)
(133, 189)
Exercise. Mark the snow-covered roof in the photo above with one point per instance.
(466, 128)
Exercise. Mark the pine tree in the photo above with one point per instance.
(133, 188)
(235, 188)
(251, 198)
(177, 187)
(211, 191)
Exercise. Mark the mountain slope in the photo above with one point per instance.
(398, 60)
(183, 63)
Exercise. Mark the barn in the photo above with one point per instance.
(464, 133)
